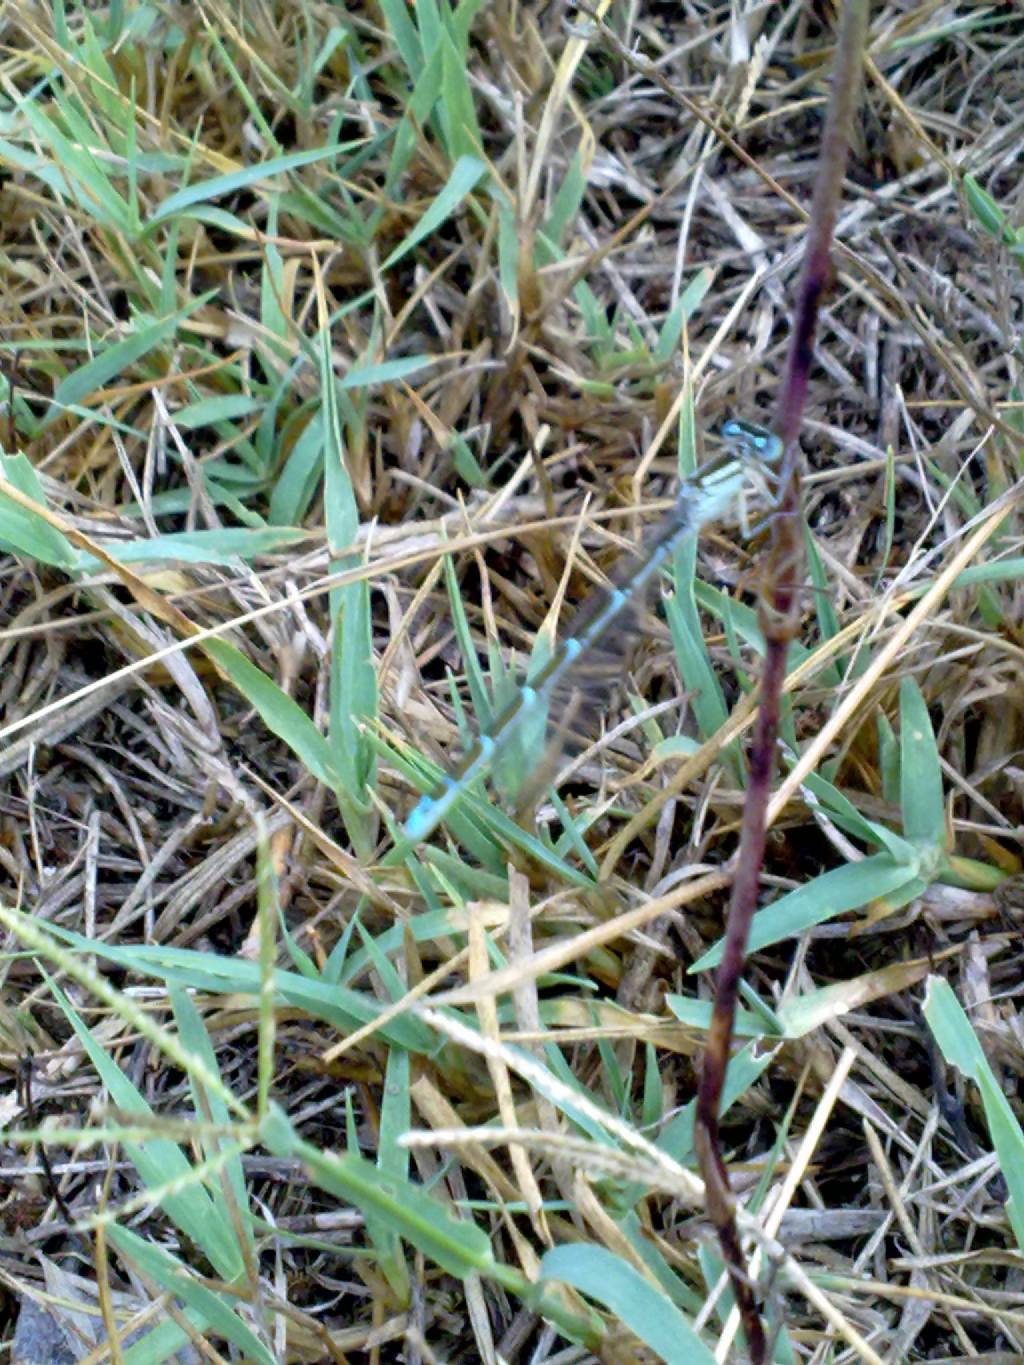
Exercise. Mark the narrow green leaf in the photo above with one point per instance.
(890, 511)
(564, 210)
(828, 622)
(393, 1160)
(220, 219)
(456, 105)
(924, 820)
(340, 1006)
(395, 1115)
(85, 177)
(193, 1035)
(385, 371)
(300, 478)
(834, 893)
(683, 618)
(466, 172)
(459, 1247)
(985, 209)
(646, 1251)
(846, 815)
(160, 1161)
(695, 669)
(171, 1274)
(428, 17)
(685, 306)
(418, 111)
(696, 1014)
(888, 759)
(744, 1070)
(960, 1047)
(353, 689)
(225, 407)
(462, 21)
(112, 361)
(20, 531)
(260, 174)
(652, 1108)
(280, 713)
(225, 546)
(396, 16)
(631, 1298)
(508, 254)
(742, 619)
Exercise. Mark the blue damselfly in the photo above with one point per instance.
(750, 459)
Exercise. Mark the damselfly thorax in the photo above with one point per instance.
(743, 476)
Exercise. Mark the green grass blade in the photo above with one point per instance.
(160, 1161)
(226, 546)
(393, 1161)
(466, 173)
(960, 1047)
(924, 817)
(280, 712)
(114, 360)
(224, 186)
(193, 1035)
(85, 178)
(833, 893)
(459, 1247)
(410, 49)
(340, 1006)
(684, 621)
(631, 1298)
(456, 104)
(21, 532)
(207, 1308)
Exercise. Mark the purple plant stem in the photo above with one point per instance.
(780, 618)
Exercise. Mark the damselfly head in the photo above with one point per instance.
(751, 439)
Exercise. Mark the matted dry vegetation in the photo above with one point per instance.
(296, 298)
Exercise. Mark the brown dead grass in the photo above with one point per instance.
(126, 804)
